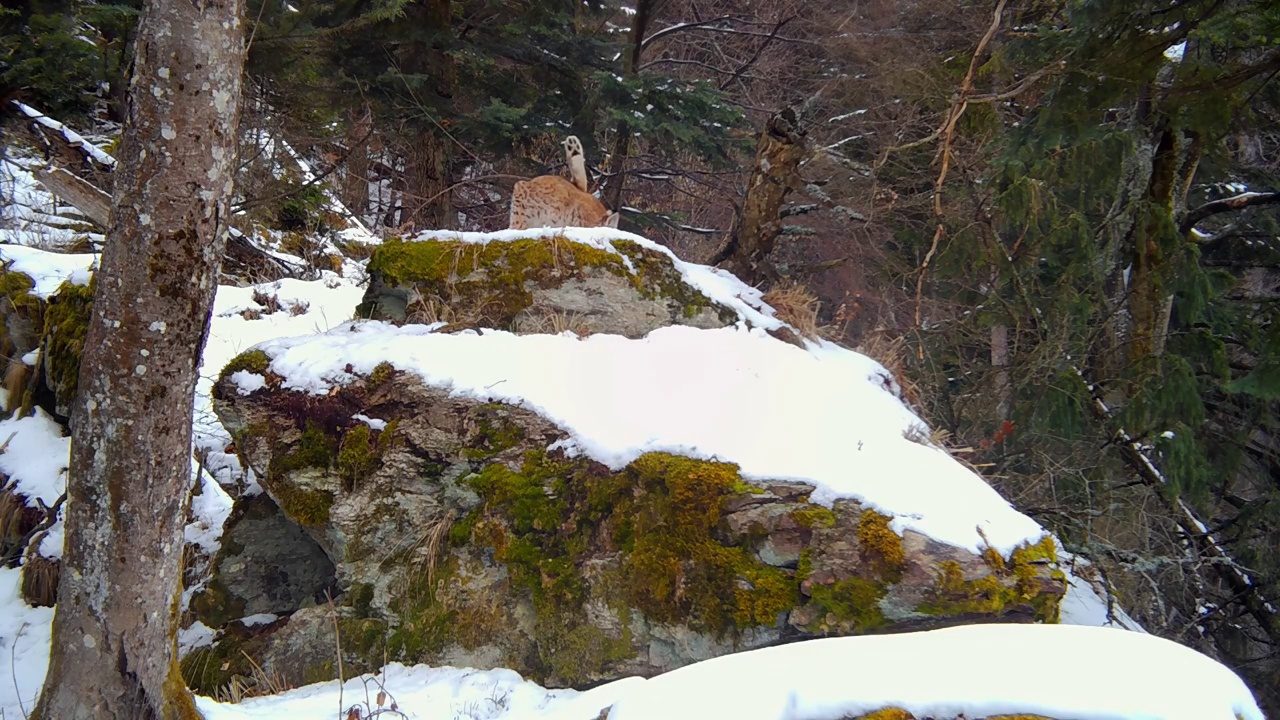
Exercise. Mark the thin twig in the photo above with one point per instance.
(947, 133)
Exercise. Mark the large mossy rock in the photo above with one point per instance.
(458, 538)
(56, 326)
(540, 284)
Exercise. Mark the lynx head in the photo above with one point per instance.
(572, 146)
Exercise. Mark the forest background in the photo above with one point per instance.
(1054, 220)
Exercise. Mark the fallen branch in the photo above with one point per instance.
(80, 193)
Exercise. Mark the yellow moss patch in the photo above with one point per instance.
(880, 547)
(382, 372)
(889, 713)
(991, 594)
(815, 516)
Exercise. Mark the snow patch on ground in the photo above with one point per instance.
(24, 647)
(1057, 671)
(48, 269)
(970, 671)
(36, 458)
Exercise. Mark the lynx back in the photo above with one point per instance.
(552, 201)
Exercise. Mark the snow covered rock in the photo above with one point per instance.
(545, 503)
(525, 282)
(44, 307)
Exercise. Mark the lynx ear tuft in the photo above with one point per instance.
(612, 221)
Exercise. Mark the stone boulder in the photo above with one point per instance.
(535, 284)
(458, 537)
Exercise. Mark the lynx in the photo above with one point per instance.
(552, 201)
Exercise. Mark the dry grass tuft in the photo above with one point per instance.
(258, 683)
(799, 308)
(15, 383)
(12, 518)
(891, 352)
(553, 322)
(429, 310)
(40, 580)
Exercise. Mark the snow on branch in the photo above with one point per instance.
(1194, 531)
(1235, 202)
(71, 137)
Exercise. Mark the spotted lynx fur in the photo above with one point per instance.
(552, 201)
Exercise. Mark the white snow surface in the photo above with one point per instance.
(420, 692)
(48, 269)
(1058, 671)
(36, 458)
(820, 415)
(24, 647)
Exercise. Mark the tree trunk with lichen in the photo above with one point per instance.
(114, 652)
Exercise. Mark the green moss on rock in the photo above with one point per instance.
(485, 283)
(495, 432)
(657, 277)
(991, 594)
(489, 284)
(304, 506)
(381, 373)
(254, 361)
(66, 324)
(662, 513)
(678, 569)
(358, 456)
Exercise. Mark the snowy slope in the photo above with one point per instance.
(971, 671)
(732, 393)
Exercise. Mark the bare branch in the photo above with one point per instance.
(756, 55)
(682, 27)
(1216, 207)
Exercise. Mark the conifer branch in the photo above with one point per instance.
(1195, 533)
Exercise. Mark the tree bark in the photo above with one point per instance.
(355, 181)
(427, 201)
(778, 154)
(114, 653)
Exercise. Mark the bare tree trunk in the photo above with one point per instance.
(426, 187)
(355, 183)
(427, 201)
(114, 653)
(1000, 363)
(615, 173)
(778, 154)
(81, 194)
